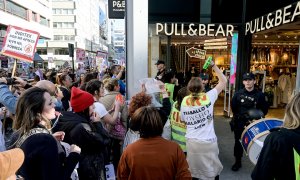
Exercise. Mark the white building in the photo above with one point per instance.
(76, 22)
(116, 39)
(34, 15)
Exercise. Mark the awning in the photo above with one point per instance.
(37, 57)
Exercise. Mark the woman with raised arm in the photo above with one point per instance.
(201, 141)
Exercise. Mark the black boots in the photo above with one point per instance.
(237, 165)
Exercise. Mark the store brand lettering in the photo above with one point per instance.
(274, 19)
(194, 29)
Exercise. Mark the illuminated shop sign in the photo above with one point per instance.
(194, 29)
(274, 19)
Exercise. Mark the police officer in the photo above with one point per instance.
(205, 79)
(161, 68)
(244, 103)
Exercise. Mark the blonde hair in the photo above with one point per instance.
(110, 84)
(292, 113)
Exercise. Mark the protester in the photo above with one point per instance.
(139, 100)
(9, 100)
(178, 127)
(45, 158)
(96, 88)
(279, 158)
(83, 127)
(117, 71)
(65, 82)
(201, 141)
(152, 157)
(118, 130)
(10, 162)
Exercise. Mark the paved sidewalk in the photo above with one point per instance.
(226, 144)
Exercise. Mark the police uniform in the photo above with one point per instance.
(205, 76)
(242, 102)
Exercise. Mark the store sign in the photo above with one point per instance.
(274, 19)
(116, 9)
(20, 43)
(194, 29)
(196, 53)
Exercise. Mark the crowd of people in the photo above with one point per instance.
(75, 126)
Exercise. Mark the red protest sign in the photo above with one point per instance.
(20, 43)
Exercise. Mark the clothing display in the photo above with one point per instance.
(285, 86)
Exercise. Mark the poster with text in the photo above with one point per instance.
(20, 43)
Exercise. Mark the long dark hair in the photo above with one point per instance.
(93, 85)
(29, 109)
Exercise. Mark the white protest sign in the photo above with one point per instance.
(20, 43)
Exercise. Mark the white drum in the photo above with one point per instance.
(254, 135)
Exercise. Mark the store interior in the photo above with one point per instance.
(274, 61)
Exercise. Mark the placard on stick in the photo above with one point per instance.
(20, 43)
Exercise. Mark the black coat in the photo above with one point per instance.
(93, 140)
(46, 159)
(243, 101)
(276, 160)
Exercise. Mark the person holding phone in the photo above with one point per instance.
(83, 127)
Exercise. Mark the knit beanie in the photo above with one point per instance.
(80, 100)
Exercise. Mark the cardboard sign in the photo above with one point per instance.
(20, 43)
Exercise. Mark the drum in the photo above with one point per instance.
(254, 134)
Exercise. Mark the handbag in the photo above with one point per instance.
(118, 130)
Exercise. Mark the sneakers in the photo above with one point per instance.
(237, 165)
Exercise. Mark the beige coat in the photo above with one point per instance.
(109, 100)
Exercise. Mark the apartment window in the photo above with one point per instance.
(65, 25)
(58, 37)
(64, 11)
(34, 17)
(42, 51)
(57, 25)
(56, 11)
(62, 51)
(71, 25)
(69, 38)
(16, 9)
(43, 21)
(70, 11)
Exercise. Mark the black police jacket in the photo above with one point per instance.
(243, 101)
